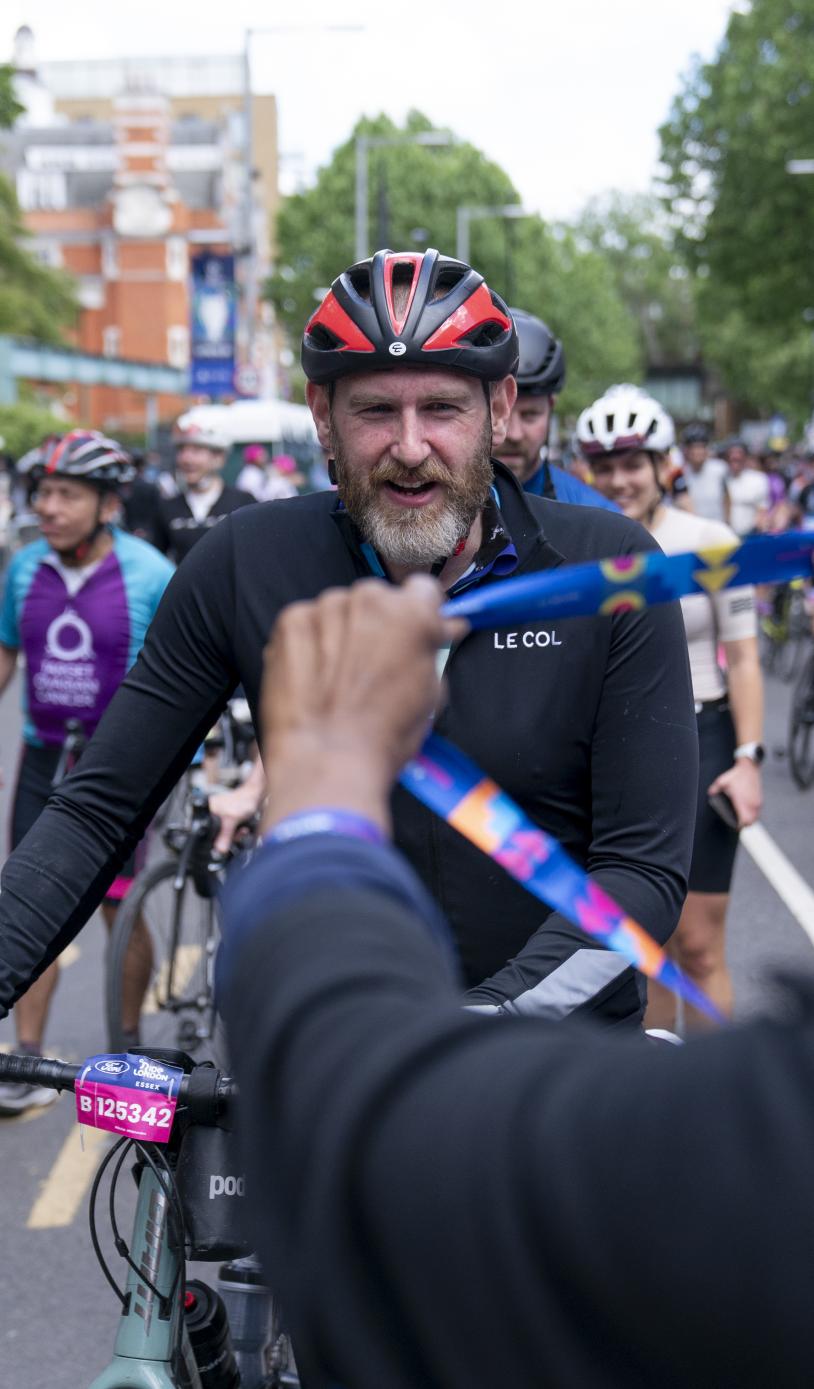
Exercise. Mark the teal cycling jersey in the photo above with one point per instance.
(79, 644)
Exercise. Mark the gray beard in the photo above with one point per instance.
(415, 539)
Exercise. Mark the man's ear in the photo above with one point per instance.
(320, 406)
(502, 396)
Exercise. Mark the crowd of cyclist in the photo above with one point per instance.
(414, 368)
(622, 456)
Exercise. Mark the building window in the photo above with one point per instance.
(48, 253)
(91, 291)
(110, 259)
(42, 190)
(111, 340)
(177, 267)
(178, 346)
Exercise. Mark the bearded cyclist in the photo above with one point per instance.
(77, 604)
(540, 378)
(410, 361)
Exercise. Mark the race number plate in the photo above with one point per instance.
(130, 1095)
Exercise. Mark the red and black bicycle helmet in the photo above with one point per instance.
(84, 455)
(448, 317)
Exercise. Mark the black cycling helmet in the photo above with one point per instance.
(446, 317)
(84, 455)
(541, 369)
(695, 434)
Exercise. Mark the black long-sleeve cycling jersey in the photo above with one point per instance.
(445, 1202)
(588, 723)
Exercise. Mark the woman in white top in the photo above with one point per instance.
(625, 435)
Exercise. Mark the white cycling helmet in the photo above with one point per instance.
(625, 418)
(187, 431)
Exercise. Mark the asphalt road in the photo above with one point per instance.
(57, 1314)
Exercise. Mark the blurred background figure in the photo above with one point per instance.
(269, 479)
(705, 476)
(748, 491)
(203, 498)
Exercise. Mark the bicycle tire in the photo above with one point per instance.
(792, 651)
(178, 1009)
(801, 728)
(768, 648)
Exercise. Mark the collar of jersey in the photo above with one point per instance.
(496, 555)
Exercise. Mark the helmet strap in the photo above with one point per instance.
(438, 565)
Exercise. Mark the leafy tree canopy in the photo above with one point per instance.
(745, 223)
(22, 426)
(632, 235)
(35, 301)
(415, 192)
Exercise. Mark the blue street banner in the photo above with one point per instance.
(213, 313)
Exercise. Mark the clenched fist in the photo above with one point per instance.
(350, 685)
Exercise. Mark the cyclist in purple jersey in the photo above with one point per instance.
(77, 603)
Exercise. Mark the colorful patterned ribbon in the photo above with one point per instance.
(447, 782)
(631, 582)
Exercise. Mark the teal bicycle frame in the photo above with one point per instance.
(148, 1331)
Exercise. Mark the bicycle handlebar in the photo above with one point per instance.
(205, 1091)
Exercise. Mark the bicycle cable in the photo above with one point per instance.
(123, 1143)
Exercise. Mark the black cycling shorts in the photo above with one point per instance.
(34, 785)
(715, 844)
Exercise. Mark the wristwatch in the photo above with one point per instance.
(754, 751)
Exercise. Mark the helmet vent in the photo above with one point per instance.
(403, 276)
(323, 339)
(484, 335)
(360, 279)
(447, 279)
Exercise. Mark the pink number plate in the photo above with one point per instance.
(129, 1095)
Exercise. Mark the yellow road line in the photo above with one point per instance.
(63, 1190)
(186, 961)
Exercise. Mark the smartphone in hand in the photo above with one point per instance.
(722, 805)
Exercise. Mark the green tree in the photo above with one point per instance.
(24, 425)
(631, 233)
(35, 301)
(572, 289)
(745, 224)
(415, 192)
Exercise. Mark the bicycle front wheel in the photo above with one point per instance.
(161, 956)
(801, 728)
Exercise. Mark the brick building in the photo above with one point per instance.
(123, 185)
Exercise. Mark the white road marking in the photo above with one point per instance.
(790, 886)
(63, 1190)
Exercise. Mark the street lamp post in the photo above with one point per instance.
(364, 144)
(468, 213)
